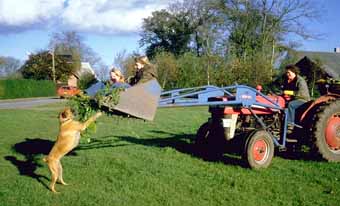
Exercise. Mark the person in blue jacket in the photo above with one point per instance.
(117, 80)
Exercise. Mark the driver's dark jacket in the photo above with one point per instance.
(299, 86)
(145, 74)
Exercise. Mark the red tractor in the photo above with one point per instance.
(246, 121)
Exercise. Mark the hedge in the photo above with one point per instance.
(24, 88)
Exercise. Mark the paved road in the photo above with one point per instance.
(27, 103)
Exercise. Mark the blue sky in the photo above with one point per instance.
(108, 26)
(328, 26)
(111, 26)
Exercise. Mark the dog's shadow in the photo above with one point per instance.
(32, 149)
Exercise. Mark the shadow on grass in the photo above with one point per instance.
(184, 143)
(296, 152)
(27, 168)
(31, 149)
(101, 142)
(232, 150)
(181, 142)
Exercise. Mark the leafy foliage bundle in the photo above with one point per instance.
(84, 106)
(86, 80)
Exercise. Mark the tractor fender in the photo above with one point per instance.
(317, 102)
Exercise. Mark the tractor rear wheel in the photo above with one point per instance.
(259, 150)
(326, 131)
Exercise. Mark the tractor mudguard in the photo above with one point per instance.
(308, 111)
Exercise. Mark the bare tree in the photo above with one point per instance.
(271, 22)
(280, 18)
(119, 60)
(203, 21)
(72, 42)
(206, 32)
(8, 66)
(2, 61)
(102, 72)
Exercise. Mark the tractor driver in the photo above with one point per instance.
(295, 87)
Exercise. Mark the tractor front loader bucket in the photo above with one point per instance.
(141, 100)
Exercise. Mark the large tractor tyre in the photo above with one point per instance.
(258, 150)
(326, 132)
(209, 140)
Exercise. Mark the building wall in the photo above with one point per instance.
(72, 81)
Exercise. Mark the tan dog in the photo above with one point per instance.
(68, 139)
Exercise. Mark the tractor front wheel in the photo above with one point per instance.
(259, 150)
(203, 134)
(210, 140)
(326, 131)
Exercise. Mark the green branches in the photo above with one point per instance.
(105, 100)
(84, 106)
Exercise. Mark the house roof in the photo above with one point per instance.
(85, 68)
(330, 61)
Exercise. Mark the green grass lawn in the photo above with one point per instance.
(132, 162)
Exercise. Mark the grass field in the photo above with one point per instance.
(132, 162)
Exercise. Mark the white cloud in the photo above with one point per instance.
(23, 13)
(103, 16)
(109, 16)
